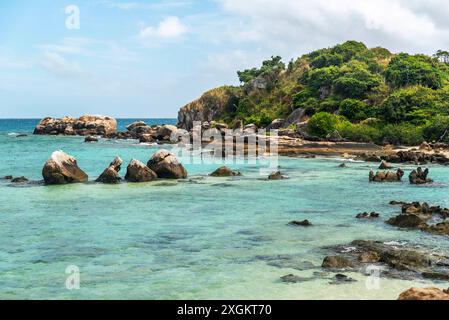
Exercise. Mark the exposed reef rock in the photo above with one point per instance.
(20, 180)
(304, 223)
(111, 174)
(87, 125)
(336, 262)
(276, 176)
(167, 166)
(138, 172)
(225, 172)
(419, 176)
(91, 139)
(388, 176)
(211, 106)
(61, 169)
(424, 294)
(366, 215)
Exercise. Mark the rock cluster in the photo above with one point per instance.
(225, 172)
(386, 176)
(366, 215)
(419, 176)
(87, 125)
(412, 157)
(149, 134)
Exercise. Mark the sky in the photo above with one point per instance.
(147, 59)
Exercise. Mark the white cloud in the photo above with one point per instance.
(300, 25)
(59, 66)
(169, 28)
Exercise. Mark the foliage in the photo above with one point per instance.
(273, 65)
(321, 124)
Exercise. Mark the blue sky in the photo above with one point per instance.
(149, 58)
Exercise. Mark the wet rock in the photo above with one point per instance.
(424, 294)
(111, 174)
(304, 223)
(225, 172)
(166, 132)
(343, 165)
(167, 166)
(411, 221)
(8, 177)
(394, 202)
(290, 278)
(61, 169)
(366, 215)
(91, 139)
(419, 176)
(276, 176)
(436, 276)
(341, 279)
(387, 176)
(22, 135)
(369, 257)
(336, 262)
(385, 165)
(439, 228)
(20, 180)
(138, 172)
(147, 138)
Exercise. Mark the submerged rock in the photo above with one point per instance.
(225, 172)
(341, 278)
(61, 169)
(419, 176)
(290, 278)
(111, 174)
(9, 177)
(276, 176)
(336, 262)
(138, 172)
(366, 215)
(424, 294)
(19, 180)
(386, 176)
(91, 139)
(167, 166)
(304, 223)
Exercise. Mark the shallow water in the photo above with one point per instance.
(206, 238)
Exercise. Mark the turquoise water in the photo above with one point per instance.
(205, 238)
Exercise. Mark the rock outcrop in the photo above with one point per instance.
(424, 294)
(295, 118)
(419, 176)
(87, 125)
(62, 169)
(111, 174)
(304, 223)
(387, 176)
(276, 176)
(138, 172)
(166, 165)
(225, 172)
(20, 180)
(211, 106)
(336, 262)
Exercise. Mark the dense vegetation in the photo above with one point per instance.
(365, 94)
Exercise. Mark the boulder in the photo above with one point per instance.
(9, 177)
(225, 172)
(138, 172)
(276, 176)
(276, 124)
(136, 125)
(385, 165)
(19, 180)
(61, 169)
(336, 262)
(167, 166)
(87, 125)
(411, 221)
(419, 176)
(386, 176)
(424, 294)
(111, 174)
(343, 165)
(147, 138)
(425, 146)
(166, 132)
(441, 228)
(295, 117)
(91, 139)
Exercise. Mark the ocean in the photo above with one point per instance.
(203, 238)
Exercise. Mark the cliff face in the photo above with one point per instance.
(213, 105)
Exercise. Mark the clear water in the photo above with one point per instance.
(208, 238)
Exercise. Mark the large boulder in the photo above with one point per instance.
(166, 165)
(166, 132)
(61, 169)
(387, 176)
(111, 174)
(87, 125)
(295, 117)
(276, 124)
(419, 176)
(138, 172)
(424, 294)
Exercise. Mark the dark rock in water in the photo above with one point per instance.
(21, 135)
(167, 166)
(407, 221)
(385, 165)
(343, 165)
(440, 228)
(90, 139)
(436, 276)
(419, 176)
(341, 278)
(61, 169)
(111, 174)
(8, 177)
(138, 172)
(369, 257)
(305, 223)
(336, 262)
(386, 176)
(225, 172)
(394, 202)
(276, 176)
(366, 215)
(290, 278)
(20, 180)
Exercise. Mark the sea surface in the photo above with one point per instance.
(203, 238)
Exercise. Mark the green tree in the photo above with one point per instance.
(354, 110)
(321, 124)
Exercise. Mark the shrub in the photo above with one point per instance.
(353, 110)
(321, 124)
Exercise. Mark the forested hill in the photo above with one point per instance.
(365, 94)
